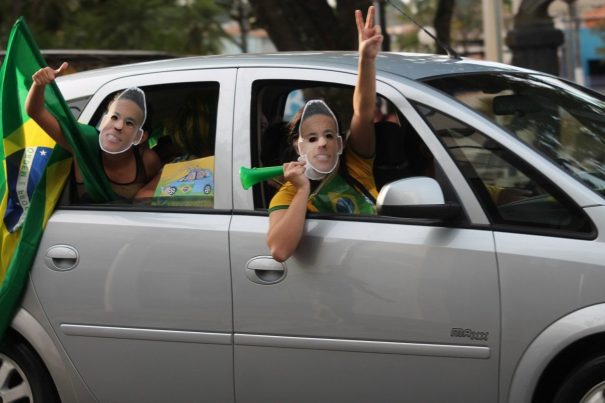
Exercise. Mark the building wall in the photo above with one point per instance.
(592, 57)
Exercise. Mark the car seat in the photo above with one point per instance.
(390, 162)
(274, 151)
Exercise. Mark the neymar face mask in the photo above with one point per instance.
(319, 142)
(121, 126)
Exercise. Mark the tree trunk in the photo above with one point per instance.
(443, 22)
(309, 25)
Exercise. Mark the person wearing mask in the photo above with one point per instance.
(127, 167)
(329, 177)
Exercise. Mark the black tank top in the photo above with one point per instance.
(124, 191)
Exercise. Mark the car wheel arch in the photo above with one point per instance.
(25, 376)
(25, 327)
(569, 340)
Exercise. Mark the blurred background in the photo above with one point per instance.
(561, 37)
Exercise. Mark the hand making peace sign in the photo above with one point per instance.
(369, 35)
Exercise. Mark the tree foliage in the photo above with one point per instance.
(189, 27)
(193, 26)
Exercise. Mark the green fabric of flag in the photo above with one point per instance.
(24, 147)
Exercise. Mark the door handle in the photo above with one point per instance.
(265, 270)
(61, 257)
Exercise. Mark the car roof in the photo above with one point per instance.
(413, 66)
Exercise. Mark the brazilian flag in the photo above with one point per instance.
(33, 170)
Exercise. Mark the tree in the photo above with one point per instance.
(189, 27)
(241, 12)
(438, 14)
(456, 22)
(44, 17)
(443, 22)
(311, 24)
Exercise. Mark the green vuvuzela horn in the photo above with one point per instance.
(251, 176)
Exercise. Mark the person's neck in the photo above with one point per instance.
(120, 168)
(117, 159)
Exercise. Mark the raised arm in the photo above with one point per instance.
(362, 136)
(34, 105)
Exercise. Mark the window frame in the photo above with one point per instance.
(249, 79)
(225, 78)
(529, 171)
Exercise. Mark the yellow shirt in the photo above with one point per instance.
(335, 194)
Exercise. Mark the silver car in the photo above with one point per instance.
(482, 278)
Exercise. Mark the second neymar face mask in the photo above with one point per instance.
(319, 141)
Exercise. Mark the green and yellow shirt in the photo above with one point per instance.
(335, 194)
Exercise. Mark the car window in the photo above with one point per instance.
(77, 105)
(274, 103)
(181, 129)
(400, 152)
(562, 122)
(513, 193)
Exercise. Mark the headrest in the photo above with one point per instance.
(515, 104)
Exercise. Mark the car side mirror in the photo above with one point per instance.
(417, 197)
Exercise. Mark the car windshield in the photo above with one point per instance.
(563, 122)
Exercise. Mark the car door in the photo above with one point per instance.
(140, 296)
(549, 250)
(367, 309)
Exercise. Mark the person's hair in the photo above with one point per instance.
(147, 125)
(193, 127)
(293, 126)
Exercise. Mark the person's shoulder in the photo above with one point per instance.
(283, 197)
(151, 160)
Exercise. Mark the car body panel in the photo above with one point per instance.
(315, 304)
(561, 334)
(39, 334)
(413, 66)
(412, 286)
(181, 311)
(126, 277)
(568, 274)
